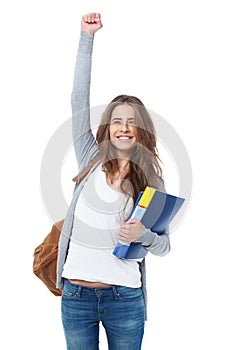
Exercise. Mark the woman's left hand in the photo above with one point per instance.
(130, 230)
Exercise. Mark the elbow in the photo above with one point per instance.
(156, 244)
(162, 247)
(166, 249)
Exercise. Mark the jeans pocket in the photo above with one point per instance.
(70, 291)
(129, 294)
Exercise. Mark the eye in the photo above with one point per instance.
(131, 121)
(116, 121)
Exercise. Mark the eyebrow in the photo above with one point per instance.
(120, 118)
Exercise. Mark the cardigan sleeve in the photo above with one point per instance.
(83, 139)
(156, 244)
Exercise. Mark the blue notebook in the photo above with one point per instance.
(157, 216)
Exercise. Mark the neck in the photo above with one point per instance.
(123, 168)
(123, 165)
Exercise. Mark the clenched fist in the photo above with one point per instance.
(91, 22)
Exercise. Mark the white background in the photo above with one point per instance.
(177, 57)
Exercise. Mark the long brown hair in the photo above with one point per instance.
(144, 167)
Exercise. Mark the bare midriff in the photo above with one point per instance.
(90, 284)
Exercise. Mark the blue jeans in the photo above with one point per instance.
(120, 309)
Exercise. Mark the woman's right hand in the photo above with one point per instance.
(91, 22)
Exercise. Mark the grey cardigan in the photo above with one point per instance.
(85, 149)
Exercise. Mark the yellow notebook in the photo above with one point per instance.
(146, 197)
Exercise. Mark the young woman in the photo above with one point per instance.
(97, 286)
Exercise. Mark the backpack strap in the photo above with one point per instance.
(87, 168)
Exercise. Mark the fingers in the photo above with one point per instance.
(124, 237)
(125, 234)
(91, 23)
(126, 226)
(92, 17)
(130, 221)
(130, 230)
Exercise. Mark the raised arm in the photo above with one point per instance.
(84, 141)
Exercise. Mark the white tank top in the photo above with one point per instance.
(100, 210)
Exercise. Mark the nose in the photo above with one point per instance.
(124, 127)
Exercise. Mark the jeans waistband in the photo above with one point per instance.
(99, 290)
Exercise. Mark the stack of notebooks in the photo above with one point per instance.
(155, 209)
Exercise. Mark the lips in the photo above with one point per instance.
(124, 138)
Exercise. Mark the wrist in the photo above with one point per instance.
(87, 32)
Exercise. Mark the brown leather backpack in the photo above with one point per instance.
(45, 255)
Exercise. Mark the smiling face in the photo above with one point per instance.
(122, 128)
(126, 133)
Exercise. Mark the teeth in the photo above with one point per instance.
(123, 138)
